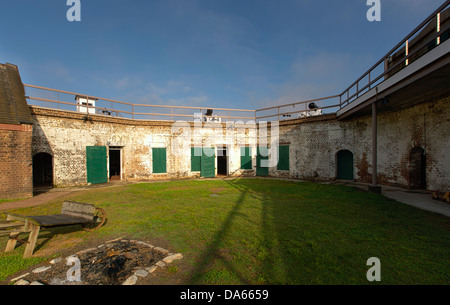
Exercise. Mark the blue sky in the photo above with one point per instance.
(220, 53)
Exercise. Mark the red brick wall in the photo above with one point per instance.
(16, 172)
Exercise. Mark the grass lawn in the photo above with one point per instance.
(261, 231)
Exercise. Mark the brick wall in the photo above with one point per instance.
(314, 143)
(65, 135)
(15, 161)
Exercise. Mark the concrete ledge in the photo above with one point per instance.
(375, 189)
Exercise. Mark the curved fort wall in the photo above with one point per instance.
(312, 144)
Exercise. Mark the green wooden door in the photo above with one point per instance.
(159, 160)
(345, 165)
(96, 164)
(196, 159)
(283, 158)
(246, 158)
(260, 169)
(208, 167)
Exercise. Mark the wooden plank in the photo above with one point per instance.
(24, 219)
(78, 209)
(10, 224)
(15, 230)
(58, 220)
(12, 241)
(31, 241)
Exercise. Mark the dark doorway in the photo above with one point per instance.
(222, 168)
(417, 174)
(114, 164)
(344, 165)
(43, 170)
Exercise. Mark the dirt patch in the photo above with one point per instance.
(217, 190)
(56, 245)
(112, 263)
(34, 201)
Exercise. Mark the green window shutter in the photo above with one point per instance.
(96, 164)
(246, 158)
(283, 158)
(260, 170)
(159, 160)
(196, 159)
(208, 162)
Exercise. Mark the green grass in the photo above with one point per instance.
(10, 264)
(260, 231)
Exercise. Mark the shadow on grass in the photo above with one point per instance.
(270, 263)
(212, 252)
(305, 233)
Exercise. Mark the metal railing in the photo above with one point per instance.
(422, 39)
(59, 99)
(430, 33)
(301, 109)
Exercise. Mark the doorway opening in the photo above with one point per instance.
(344, 161)
(115, 164)
(222, 161)
(42, 170)
(417, 174)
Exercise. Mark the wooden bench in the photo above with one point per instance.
(72, 213)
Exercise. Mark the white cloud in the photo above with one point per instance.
(57, 70)
(315, 76)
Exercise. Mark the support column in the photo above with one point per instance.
(374, 187)
(374, 144)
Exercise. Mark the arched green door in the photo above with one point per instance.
(344, 165)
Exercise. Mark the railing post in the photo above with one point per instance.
(407, 51)
(438, 28)
(132, 111)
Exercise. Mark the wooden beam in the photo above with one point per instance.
(31, 241)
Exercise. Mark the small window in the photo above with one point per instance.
(159, 160)
(283, 158)
(246, 158)
(196, 159)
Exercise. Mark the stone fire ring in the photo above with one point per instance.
(163, 255)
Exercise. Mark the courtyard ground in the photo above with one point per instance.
(256, 231)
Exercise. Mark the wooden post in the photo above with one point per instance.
(31, 240)
(12, 237)
(12, 241)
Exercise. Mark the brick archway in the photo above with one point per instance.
(42, 170)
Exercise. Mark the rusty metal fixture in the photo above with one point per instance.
(98, 221)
